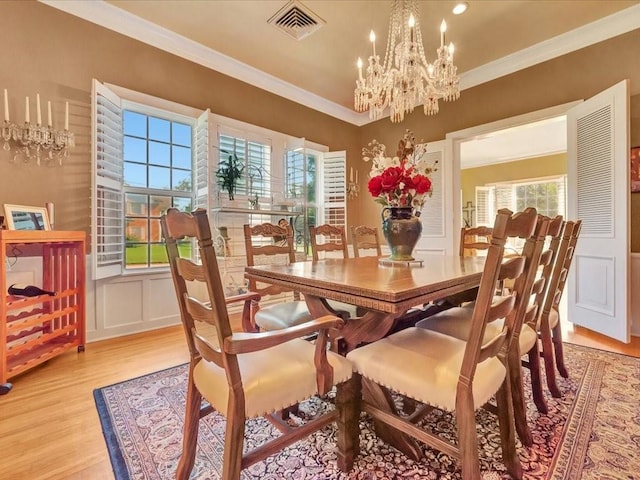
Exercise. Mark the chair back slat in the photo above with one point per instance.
(561, 266)
(334, 240)
(364, 237)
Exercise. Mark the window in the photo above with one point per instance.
(256, 157)
(158, 171)
(150, 154)
(546, 195)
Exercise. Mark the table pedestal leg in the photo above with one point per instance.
(380, 397)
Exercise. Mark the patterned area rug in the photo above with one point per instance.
(592, 432)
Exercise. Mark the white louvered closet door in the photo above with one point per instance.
(598, 194)
(107, 199)
(437, 215)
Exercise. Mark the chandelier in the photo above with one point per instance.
(406, 79)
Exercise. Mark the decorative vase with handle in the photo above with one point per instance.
(401, 229)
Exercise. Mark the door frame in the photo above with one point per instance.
(455, 139)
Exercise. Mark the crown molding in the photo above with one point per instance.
(125, 23)
(607, 27)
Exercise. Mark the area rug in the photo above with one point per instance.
(592, 432)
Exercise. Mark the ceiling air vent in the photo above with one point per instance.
(296, 20)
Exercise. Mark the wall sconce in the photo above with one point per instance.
(353, 189)
(32, 140)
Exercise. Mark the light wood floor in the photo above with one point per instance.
(49, 427)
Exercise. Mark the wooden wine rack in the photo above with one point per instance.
(36, 329)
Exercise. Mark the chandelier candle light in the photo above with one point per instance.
(31, 140)
(406, 79)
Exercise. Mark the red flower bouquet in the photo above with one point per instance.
(403, 180)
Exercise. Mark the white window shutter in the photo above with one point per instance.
(107, 199)
(433, 215)
(485, 206)
(202, 183)
(334, 189)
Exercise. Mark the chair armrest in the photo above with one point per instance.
(243, 297)
(246, 342)
(248, 298)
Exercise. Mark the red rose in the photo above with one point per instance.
(391, 177)
(421, 184)
(375, 186)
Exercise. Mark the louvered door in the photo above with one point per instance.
(598, 181)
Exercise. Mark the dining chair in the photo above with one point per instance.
(333, 239)
(458, 376)
(245, 375)
(529, 289)
(267, 242)
(474, 240)
(549, 327)
(365, 238)
(325, 239)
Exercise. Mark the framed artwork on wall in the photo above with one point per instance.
(22, 217)
(635, 169)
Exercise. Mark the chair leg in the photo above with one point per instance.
(467, 435)
(517, 395)
(348, 398)
(547, 355)
(507, 436)
(536, 381)
(190, 436)
(556, 334)
(234, 439)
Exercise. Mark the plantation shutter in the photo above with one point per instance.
(433, 215)
(333, 203)
(202, 182)
(107, 199)
(485, 207)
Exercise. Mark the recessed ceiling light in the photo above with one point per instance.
(460, 8)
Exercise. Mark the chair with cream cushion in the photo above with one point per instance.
(549, 327)
(447, 373)
(268, 242)
(365, 238)
(325, 240)
(244, 375)
(474, 240)
(530, 290)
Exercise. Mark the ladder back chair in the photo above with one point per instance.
(450, 374)
(365, 238)
(549, 326)
(457, 322)
(474, 239)
(245, 375)
(333, 240)
(272, 242)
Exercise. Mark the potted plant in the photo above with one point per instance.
(229, 172)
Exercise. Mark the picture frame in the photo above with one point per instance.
(634, 159)
(24, 217)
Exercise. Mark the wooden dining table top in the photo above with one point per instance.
(368, 283)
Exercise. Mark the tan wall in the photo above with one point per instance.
(56, 54)
(509, 172)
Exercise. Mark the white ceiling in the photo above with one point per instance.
(493, 38)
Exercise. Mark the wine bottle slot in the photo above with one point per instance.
(24, 290)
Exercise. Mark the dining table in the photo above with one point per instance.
(384, 291)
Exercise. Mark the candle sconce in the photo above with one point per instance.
(353, 189)
(36, 140)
